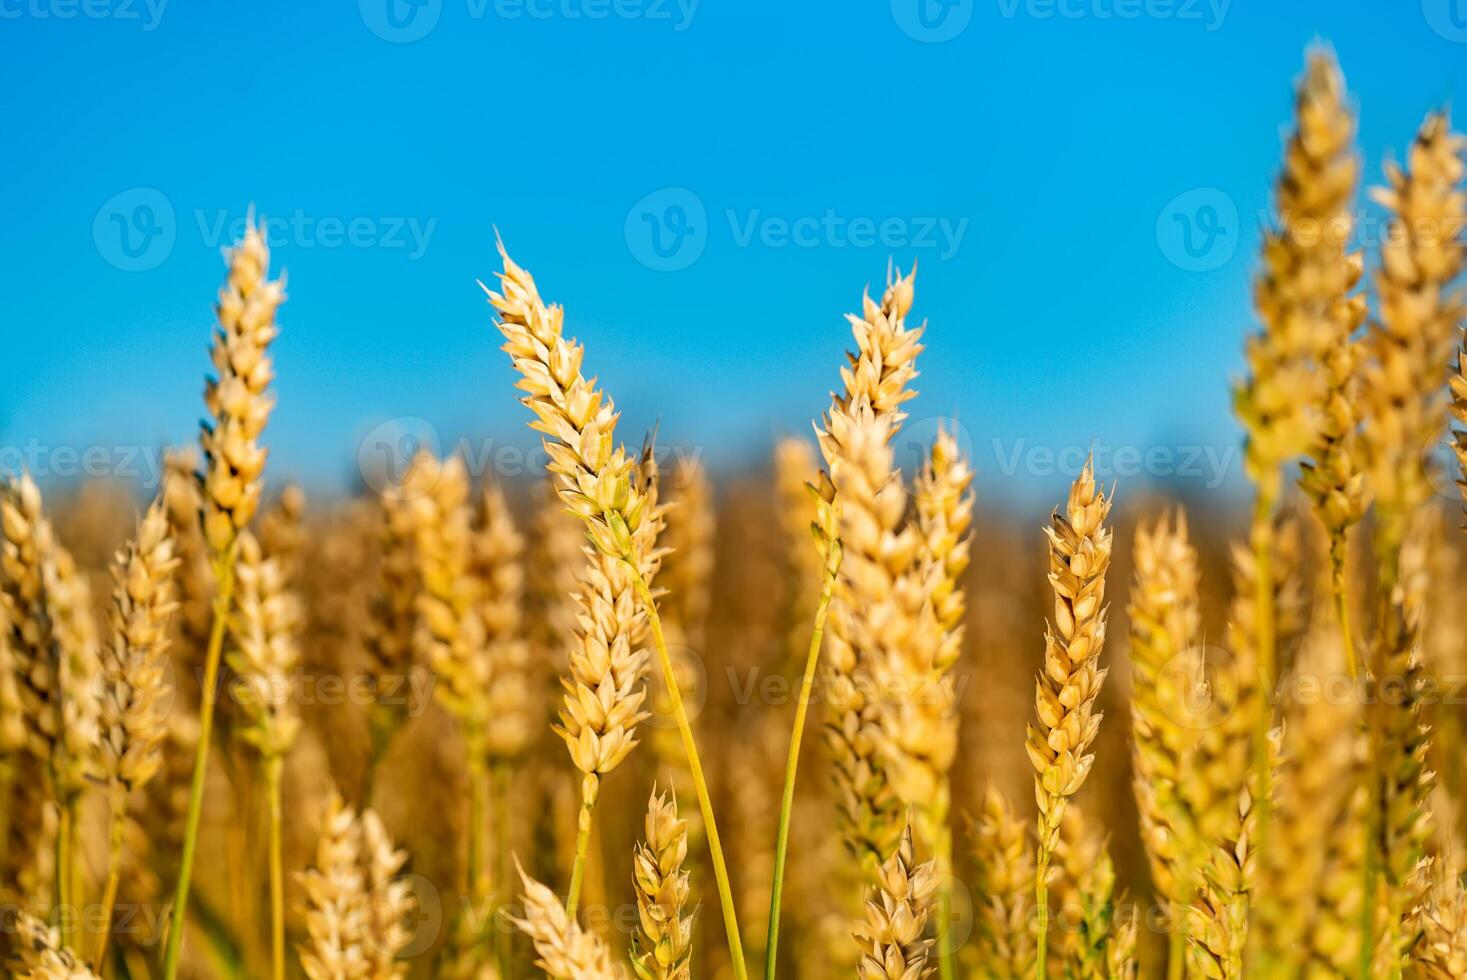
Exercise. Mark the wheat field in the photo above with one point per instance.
(832, 718)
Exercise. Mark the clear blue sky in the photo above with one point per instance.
(1042, 165)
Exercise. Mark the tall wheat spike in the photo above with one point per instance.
(232, 482)
(876, 384)
(1066, 722)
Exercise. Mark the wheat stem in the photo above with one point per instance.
(792, 763)
(272, 769)
(583, 847)
(695, 765)
(117, 822)
(224, 574)
(503, 868)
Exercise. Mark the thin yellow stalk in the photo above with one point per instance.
(272, 767)
(117, 822)
(224, 574)
(797, 733)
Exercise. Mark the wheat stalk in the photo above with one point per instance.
(54, 644)
(232, 480)
(621, 513)
(1065, 718)
(604, 689)
(135, 683)
(662, 947)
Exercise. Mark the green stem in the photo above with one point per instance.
(272, 767)
(695, 765)
(118, 821)
(589, 792)
(792, 762)
(223, 598)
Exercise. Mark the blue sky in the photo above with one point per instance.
(706, 186)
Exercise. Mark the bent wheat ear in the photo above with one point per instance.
(563, 950)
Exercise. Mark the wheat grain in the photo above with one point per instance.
(662, 947)
(336, 900)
